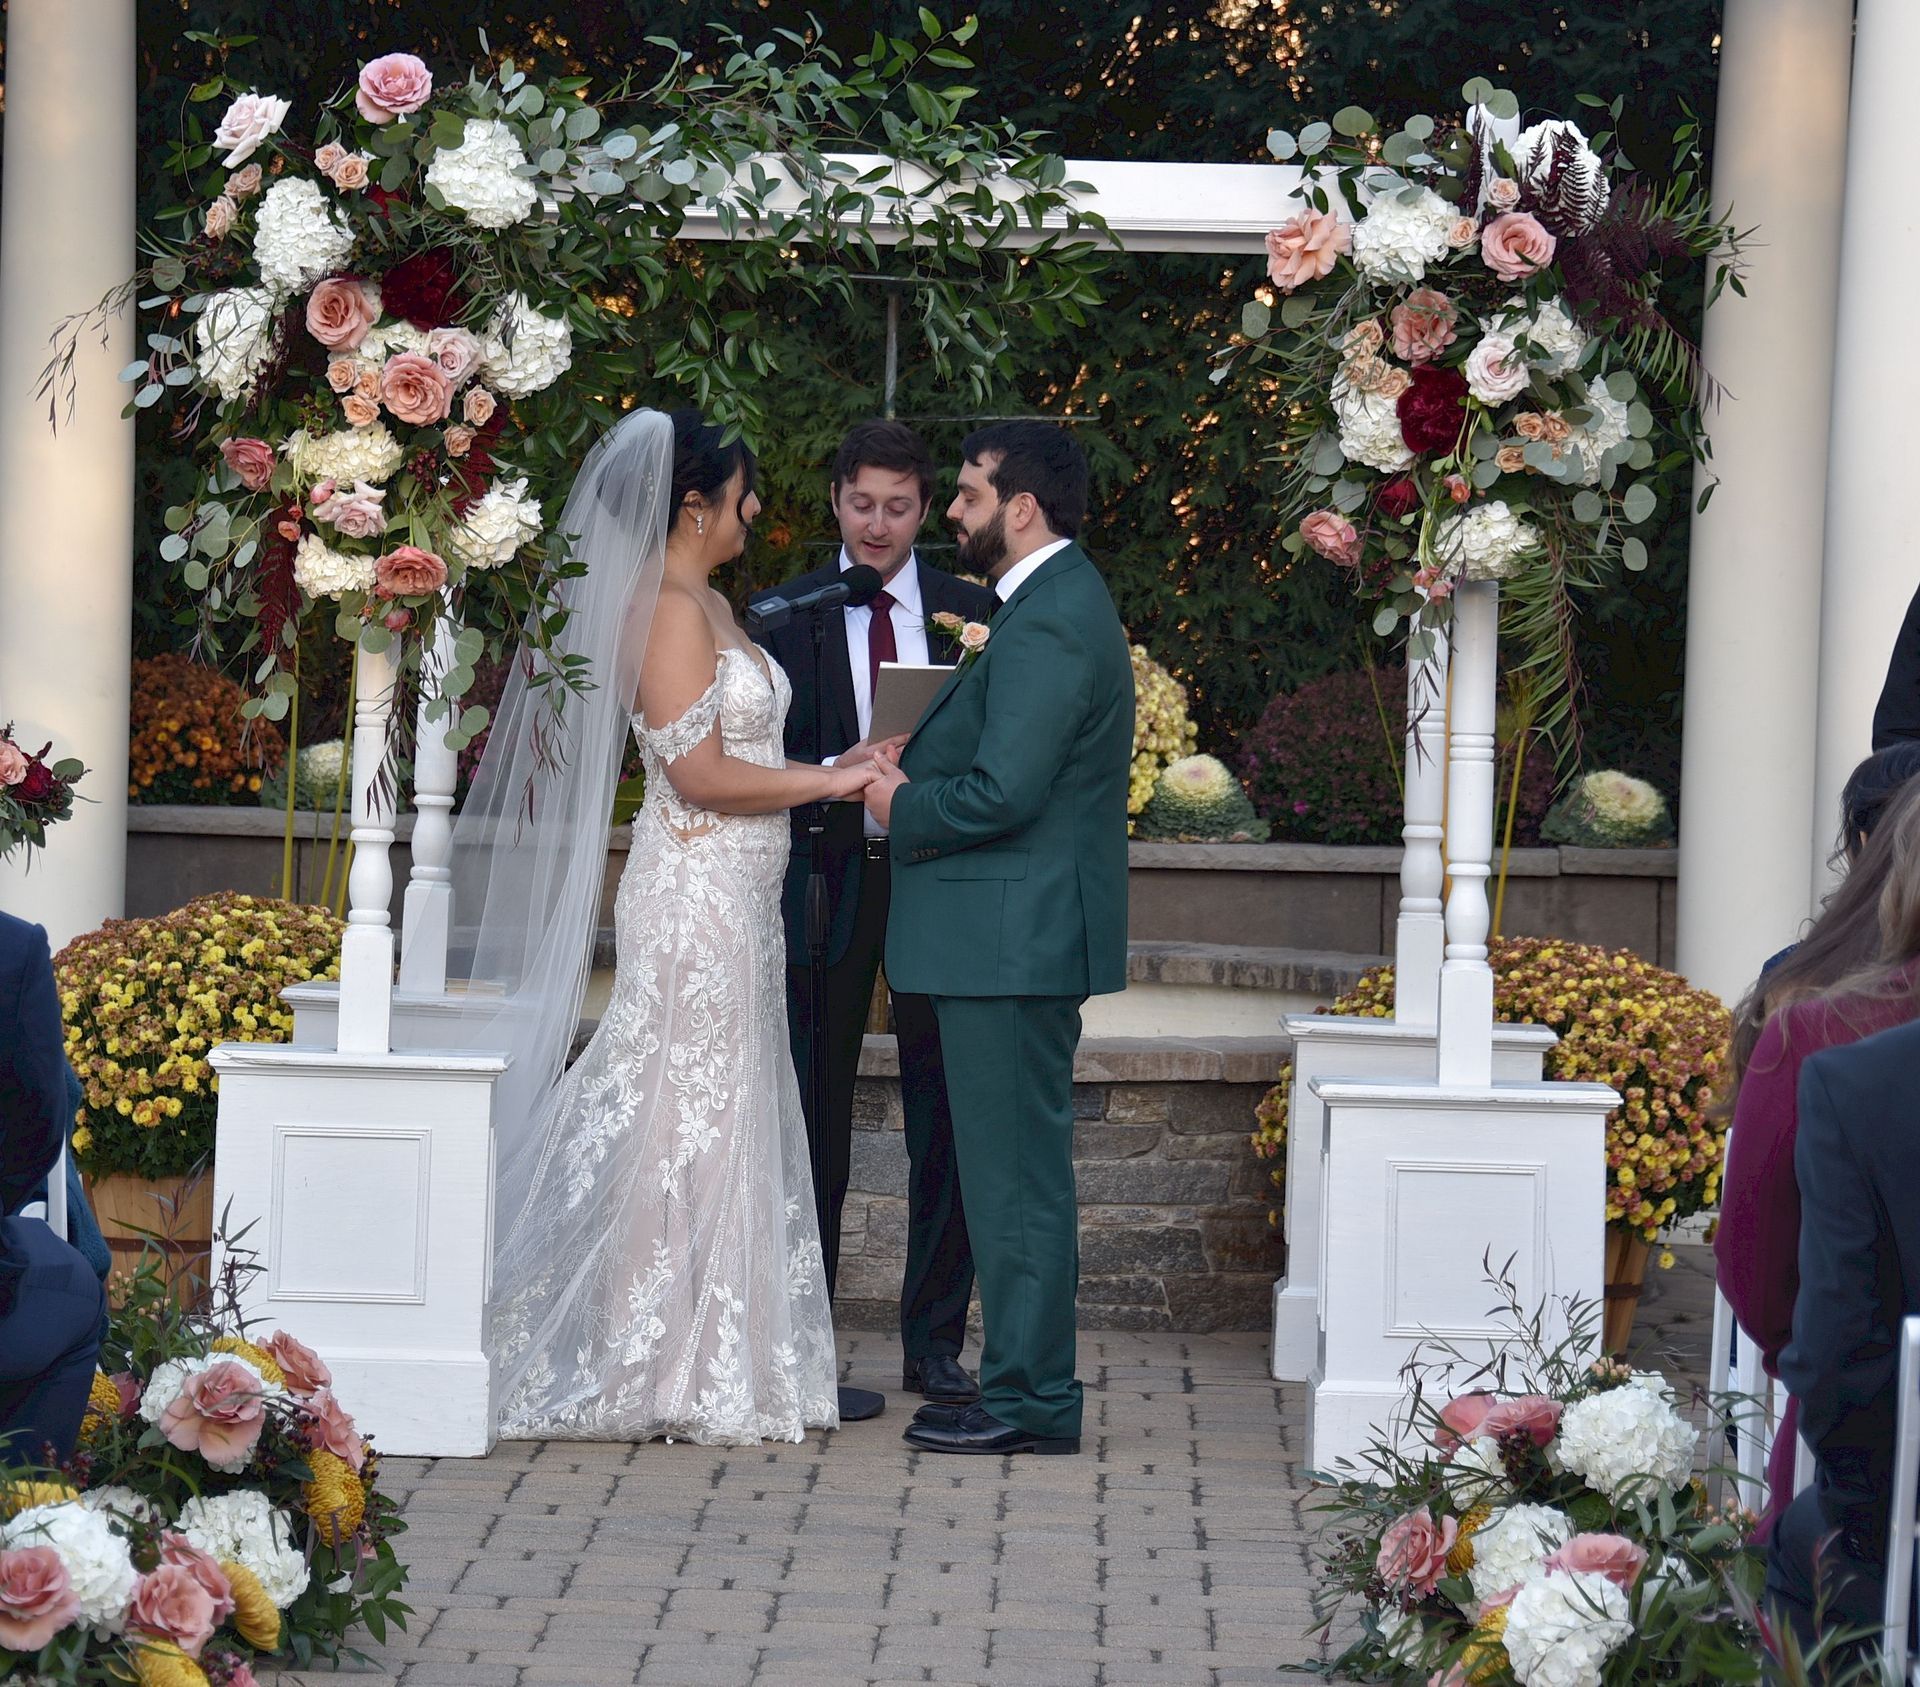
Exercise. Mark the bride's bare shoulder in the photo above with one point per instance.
(681, 654)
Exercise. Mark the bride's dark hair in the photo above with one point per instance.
(702, 463)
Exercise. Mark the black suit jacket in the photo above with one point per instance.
(1857, 1160)
(34, 1115)
(1897, 714)
(792, 647)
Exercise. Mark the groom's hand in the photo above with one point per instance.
(879, 795)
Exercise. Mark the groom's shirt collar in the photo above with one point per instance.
(1011, 581)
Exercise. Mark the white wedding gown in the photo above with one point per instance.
(666, 1277)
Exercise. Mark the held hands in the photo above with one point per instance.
(844, 780)
(878, 796)
(864, 751)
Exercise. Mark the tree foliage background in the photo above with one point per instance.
(1184, 521)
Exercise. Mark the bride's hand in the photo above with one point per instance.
(845, 781)
(865, 752)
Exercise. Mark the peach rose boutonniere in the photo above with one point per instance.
(968, 637)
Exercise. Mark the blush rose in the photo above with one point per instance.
(340, 311)
(1333, 536)
(251, 459)
(170, 1603)
(408, 571)
(1423, 325)
(303, 1368)
(1533, 1415)
(1460, 1419)
(1515, 245)
(416, 389)
(1306, 247)
(1613, 1556)
(36, 1597)
(327, 1424)
(13, 762)
(1413, 1551)
(218, 1414)
(204, 1568)
(393, 85)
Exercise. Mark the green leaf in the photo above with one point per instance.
(1485, 474)
(620, 145)
(168, 273)
(679, 171)
(1638, 502)
(1328, 458)
(1634, 554)
(195, 575)
(172, 548)
(1296, 309)
(551, 162)
(1639, 420)
(1588, 506)
(375, 639)
(1622, 385)
(449, 130)
(1281, 144)
(211, 89)
(472, 719)
(1503, 105)
(1385, 619)
(1398, 149)
(1353, 121)
(930, 25)
(393, 173)
(1420, 126)
(1314, 138)
(1255, 319)
(1477, 90)
(583, 124)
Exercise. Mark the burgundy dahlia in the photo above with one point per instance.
(424, 289)
(38, 783)
(1397, 497)
(1433, 410)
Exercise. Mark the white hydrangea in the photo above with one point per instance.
(321, 571)
(1606, 426)
(1532, 157)
(122, 1503)
(320, 763)
(1555, 337)
(1370, 429)
(1401, 1633)
(243, 1527)
(1485, 542)
(299, 236)
(98, 1563)
(234, 337)
(371, 454)
(1627, 1439)
(1476, 1472)
(1511, 1548)
(390, 338)
(524, 352)
(1563, 1626)
(492, 532)
(479, 175)
(1397, 239)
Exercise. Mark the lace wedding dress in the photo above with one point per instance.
(665, 1277)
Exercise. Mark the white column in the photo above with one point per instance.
(1466, 980)
(1872, 561)
(1750, 832)
(366, 952)
(1420, 933)
(66, 499)
(426, 918)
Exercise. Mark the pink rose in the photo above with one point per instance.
(396, 85)
(220, 215)
(204, 1568)
(357, 514)
(1503, 193)
(241, 1675)
(1460, 1419)
(246, 125)
(1413, 1551)
(455, 350)
(171, 1604)
(127, 1386)
(13, 762)
(1460, 233)
(478, 406)
(251, 459)
(36, 1597)
(327, 158)
(360, 412)
(1452, 1676)
(1333, 536)
(396, 620)
(327, 1424)
(1434, 582)
(408, 571)
(1532, 1414)
(416, 389)
(1496, 371)
(367, 385)
(303, 1368)
(350, 174)
(459, 440)
(1305, 247)
(1514, 245)
(244, 184)
(1423, 325)
(340, 311)
(218, 1414)
(322, 491)
(342, 373)
(1613, 1556)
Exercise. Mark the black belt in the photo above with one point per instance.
(876, 849)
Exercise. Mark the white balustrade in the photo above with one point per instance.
(366, 952)
(427, 916)
(1420, 932)
(1466, 979)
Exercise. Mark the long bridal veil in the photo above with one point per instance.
(530, 846)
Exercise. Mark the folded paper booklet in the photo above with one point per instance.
(905, 692)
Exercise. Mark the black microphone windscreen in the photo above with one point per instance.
(863, 584)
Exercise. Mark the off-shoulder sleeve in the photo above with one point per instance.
(679, 737)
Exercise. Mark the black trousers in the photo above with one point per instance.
(938, 1280)
(49, 1339)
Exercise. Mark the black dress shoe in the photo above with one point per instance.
(941, 1411)
(940, 1377)
(976, 1430)
(859, 1404)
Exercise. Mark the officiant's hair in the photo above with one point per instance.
(884, 445)
(1036, 457)
(702, 463)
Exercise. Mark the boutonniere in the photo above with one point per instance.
(969, 636)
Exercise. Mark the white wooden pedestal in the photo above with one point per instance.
(422, 1019)
(1423, 1183)
(364, 1182)
(1335, 1047)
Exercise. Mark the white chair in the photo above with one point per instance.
(1754, 1429)
(54, 1208)
(1900, 1544)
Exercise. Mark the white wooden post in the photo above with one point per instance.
(366, 952)
(427, 916)
(1420, 933)
(1466, 980)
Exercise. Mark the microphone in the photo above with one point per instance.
(856, 585)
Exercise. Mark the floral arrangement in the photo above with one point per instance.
(1322, 764)
(143, 1002)
(965, 639)
(1162, 729)
(1621, 1021)
(1610, 811)
(189, 740)
(318, 770)
(34, 793)
(1470, 333)
(1545, 1528)
(222, 1514)
(1197, 800)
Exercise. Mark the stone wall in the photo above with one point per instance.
(1173, 1226)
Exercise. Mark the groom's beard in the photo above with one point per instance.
(985, 552)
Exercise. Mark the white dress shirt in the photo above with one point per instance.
(1010, 582)
(909, 640)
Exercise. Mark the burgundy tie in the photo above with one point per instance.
(880, 645)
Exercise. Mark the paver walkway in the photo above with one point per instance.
(1174, 1550)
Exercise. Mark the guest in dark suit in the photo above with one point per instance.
(882, 488)
(1897, 714)
(51, 1301)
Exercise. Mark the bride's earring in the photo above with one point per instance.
(700, 524)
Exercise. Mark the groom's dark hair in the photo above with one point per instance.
(1041, 458)
(884, 445)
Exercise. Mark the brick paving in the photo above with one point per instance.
(1174, 1550)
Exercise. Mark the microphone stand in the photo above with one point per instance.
(817, 933)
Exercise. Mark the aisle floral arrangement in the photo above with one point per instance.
(1163, 731)
(221, 1515)
(34, 793)
(1610, 810)
(1482, 380)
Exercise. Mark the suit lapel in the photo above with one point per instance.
(838, 662)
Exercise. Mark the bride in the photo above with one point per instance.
(657, 1264)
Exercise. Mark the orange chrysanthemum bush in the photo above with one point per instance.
(189, 742)
(1621, 1021)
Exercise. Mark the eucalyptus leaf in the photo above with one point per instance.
(1641, 456)
(1485, 474)
(1349, 495)
(1398, 149)
(1477, 90)
(552, 161)
(583, 124)
(603, 182)
(1639, 420)
(1385, 619)
(1634, 554)
(168, 273)
(1328, 458)
(375, 640)
(1255, 319)
(172, 548)
(1539, 455)
(1296, 309)
(1502, 104)
(1353, 121)
(1314, 138)
(1281, 144)
(620, 145)
(468, 646)
(1622, 384)
(134, 371)
(195, 575)
(679, 171)
(1420, 126)
(1588, 506)
(275, 707)
(1638, 502)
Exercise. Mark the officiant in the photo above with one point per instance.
(882, 488)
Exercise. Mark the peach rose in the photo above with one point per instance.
(1530, 424)
(326, 159)
(1460, 1419)
(244, 184)
(408, 571)
(395, 85)
(13, 762)
(367, 384)
(360, 412)
(340, 311)
(1306, 247)
(478, 406)
(1363, 339)
(416, 389)
(220, 215)
(1514, 245)
(1333, 536)
(204, 1568)
(1423, 325)
(1511, 459)
(1365, 374)
(1457, 488)
(1554, 427)
(251, 459)
(350, 174)
(1460, 233)
(36, 1597)
(1434, 582)
(327, 1424)
(459, 440)
(218, 1414)
(1503, 193)
(1531, 1414)
(342, 373)
(303, 1368)
(1613, 1556)
(973, 636)
(1413, 1551)
(170, 1604)
(1392, 381)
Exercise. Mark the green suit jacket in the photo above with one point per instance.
(1009, 842)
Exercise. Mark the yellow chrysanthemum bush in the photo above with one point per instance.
(144, 1000)
(1162, 729)
(1621, 1021)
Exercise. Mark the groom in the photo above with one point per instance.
(1007, 815)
